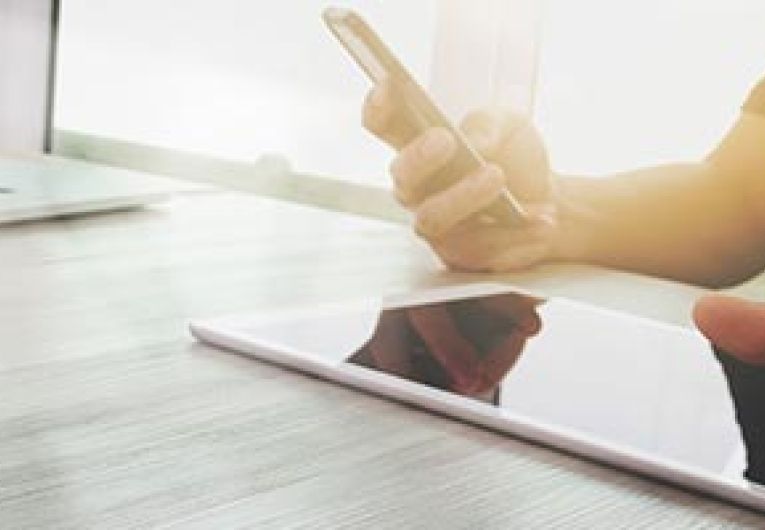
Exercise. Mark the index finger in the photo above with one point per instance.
(384, 115)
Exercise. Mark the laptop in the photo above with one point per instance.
(49, 187)
(35, 186)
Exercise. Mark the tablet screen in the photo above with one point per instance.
(625, 380)
(635, 385)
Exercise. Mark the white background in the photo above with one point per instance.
(621, 83)
(625, 84)
(234, 78)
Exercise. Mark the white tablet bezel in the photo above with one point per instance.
(221, 332)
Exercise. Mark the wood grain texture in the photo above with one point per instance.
(111, 416)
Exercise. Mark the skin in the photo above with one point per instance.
(475, 342)
(700, 222)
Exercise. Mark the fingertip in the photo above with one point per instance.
(734, 325)
(703, 311)
(482, 131)
(713, 313)
(376, 109)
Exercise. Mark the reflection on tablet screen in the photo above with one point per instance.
(620, 379)
(466, 346)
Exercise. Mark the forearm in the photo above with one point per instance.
(678, 221)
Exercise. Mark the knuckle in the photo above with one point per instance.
(401, 171)
(452, 262)
(375, 115)
(422, 156)
(403, 198)
(372, 121)
(427, 224)
(395, 167)
(419, 231)
(434, 147)
(486, 183)
(411, 165)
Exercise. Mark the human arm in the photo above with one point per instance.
(700, 222)
(697, 222)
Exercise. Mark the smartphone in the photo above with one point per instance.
(379, 64)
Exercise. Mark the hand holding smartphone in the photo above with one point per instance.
(380, 65)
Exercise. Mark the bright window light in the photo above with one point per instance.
(231, 78)
(625, 84)
(619, 84)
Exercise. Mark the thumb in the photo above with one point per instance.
(484, 130)
(511, 141)
(734, 325)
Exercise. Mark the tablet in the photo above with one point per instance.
(631, 392)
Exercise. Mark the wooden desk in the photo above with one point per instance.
(111, 416)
